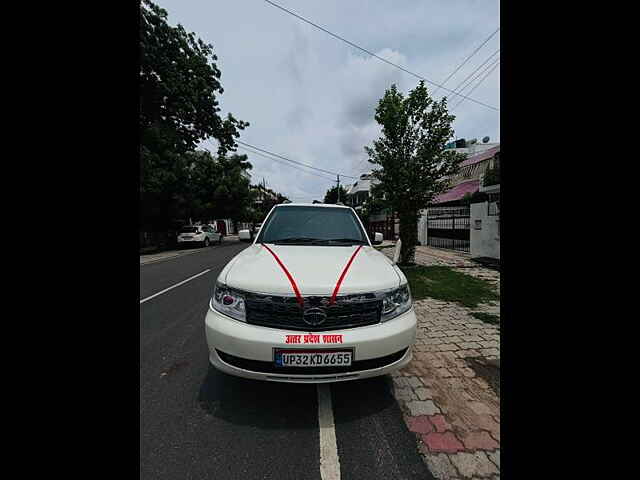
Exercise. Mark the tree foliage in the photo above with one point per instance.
(179, 82)
(332, 195)
(414, 165)
(268, 198)
(217, 188)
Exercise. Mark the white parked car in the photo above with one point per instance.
(310, 301)
(204, 235)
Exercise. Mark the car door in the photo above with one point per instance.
(207, 231)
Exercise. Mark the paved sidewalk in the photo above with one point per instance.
(453, 411)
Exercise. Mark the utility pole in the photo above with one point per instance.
(338, 188)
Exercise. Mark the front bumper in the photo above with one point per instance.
(245, 350)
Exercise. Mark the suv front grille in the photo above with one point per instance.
(284, 312)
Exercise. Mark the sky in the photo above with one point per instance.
(310, 97)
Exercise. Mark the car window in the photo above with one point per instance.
(322, 224)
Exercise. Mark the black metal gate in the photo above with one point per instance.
(449, 227)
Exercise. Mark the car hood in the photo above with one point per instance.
(315, 269)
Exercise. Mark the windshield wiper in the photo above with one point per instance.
(295, 240)
(343, 240)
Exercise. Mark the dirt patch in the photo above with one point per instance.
(488, 370)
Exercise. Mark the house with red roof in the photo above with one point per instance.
(447, 223)
(467, 181)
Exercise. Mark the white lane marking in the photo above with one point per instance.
(174, 286)
(329, 461)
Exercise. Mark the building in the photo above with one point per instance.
(467, 180)
(359, 192)
(384, 222)
(447, 222)
(263, 195)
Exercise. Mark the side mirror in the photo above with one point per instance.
(245, 235)
(377, 238)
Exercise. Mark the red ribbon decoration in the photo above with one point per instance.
(344, 272)
(291, 280)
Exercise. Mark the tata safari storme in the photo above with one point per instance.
(310, 301)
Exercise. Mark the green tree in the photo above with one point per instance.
(217, 187)
(332, 195)
(178, 84)
(371, 206)
(412, 156)
(264, 199)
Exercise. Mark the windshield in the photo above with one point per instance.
(188, 230)
(298, 225)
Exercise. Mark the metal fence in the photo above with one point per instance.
(449, 227)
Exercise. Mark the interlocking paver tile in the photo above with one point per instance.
(473, 464)
(422, 407)
(442, 442)
(479, 441)
(453, 412)
(420, 424)
(439, 465)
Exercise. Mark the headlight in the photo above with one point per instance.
(395, 303)
(228, 301)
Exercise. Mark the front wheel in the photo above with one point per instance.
(206, 242)
(220, 240)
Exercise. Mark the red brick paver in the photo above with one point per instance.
(453, 412)
(440, 423)
(420, 424)
(442, 442)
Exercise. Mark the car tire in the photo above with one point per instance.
(220, 240)
(206, 242)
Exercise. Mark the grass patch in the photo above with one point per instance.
(443, 283)
(487, 317)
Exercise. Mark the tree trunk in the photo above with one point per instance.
(409, 236)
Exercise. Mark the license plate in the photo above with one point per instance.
(313, 358)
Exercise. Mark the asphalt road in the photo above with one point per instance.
(197, 423)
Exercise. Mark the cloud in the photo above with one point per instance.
(312, 98)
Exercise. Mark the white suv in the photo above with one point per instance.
(310, 301)
(203, 235)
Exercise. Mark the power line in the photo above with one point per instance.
(467, 83)
(470, 82)
(467, 59)
(376, 56)
(476, 69)
(288, 164)
(292, 161)
(478, 84)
